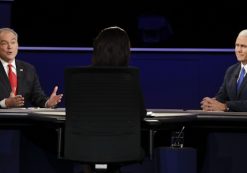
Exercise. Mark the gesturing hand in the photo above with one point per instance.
(54, 98)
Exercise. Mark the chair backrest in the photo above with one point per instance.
(103, 114)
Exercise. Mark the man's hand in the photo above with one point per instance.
(211, 104)
(14, 101)
(54, 98)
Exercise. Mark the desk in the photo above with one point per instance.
(219, 137)
(168, 119)
(18, 152)
(25, 117)
(159, 117)
(193, 120)
(200, 119)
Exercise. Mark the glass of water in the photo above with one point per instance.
(177, 139)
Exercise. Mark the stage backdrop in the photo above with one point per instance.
(170, 78)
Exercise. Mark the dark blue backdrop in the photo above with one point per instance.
(170, 78)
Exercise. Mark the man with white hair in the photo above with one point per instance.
(232, 95)
(19, 83)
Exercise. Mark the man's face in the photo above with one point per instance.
(8, 46)
(241, 49)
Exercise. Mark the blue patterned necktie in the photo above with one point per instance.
(241, 77)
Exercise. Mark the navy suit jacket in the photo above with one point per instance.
(28, 85)
(236, 101)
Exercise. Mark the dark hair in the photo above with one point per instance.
(111, 47)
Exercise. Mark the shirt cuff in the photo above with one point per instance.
(226, 108)
(46, 104)
(2, 103)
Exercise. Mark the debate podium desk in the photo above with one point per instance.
(27, 141)
(220, 138)
(203, 131)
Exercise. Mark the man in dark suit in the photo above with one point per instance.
(232, 95)
(20, 87)
(226, 151)
(26, 90)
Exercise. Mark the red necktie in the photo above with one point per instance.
(12, 79)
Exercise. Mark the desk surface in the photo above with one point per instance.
(154, 115)
(200, 114)
(17, 117)
(202, 119)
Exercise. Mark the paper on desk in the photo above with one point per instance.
(166, 110)
(14, 110)
(32, 109)
(167, 114)
(53, 113)
(202, 111)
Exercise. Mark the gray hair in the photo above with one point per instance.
(9, 30)
(243, 33)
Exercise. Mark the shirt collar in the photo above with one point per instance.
(5, 64)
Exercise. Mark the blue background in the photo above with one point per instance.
(170, 78)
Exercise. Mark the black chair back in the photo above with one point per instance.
(103, 114)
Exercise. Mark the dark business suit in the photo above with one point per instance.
(226, 151)
(236, 101)
(28, 84)
(33, 149)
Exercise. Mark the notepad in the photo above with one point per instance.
(167, 114)
(54, 113)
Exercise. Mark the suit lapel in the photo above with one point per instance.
(243, 85)
(233, 82)
(20, 76)
(4, 81)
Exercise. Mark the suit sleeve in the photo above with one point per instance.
(222, 95)
(228, 94)
(38, 97)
